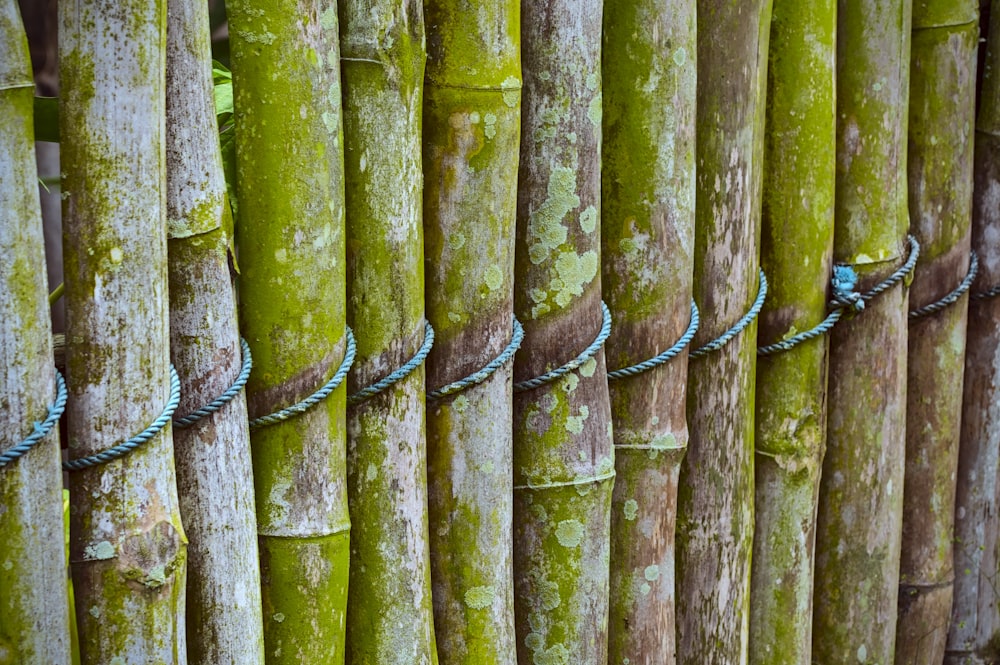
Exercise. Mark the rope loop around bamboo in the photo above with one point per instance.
(740, 325)
(480, 375)
(399, 374)
(952, 297)
(226, 397)
(585, 355)
(309, 402)
(662, 358)
(41, 429)
(137, 441)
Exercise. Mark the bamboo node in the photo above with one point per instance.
(42, 429)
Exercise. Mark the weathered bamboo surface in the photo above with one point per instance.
(796, 254)
(128, 550)
(647, 248)
(390, 615)
(563, 454)
(941, 121)
(861, 494)
(214, 472)
(975, 617)
(34, 608)
(470, 156)
(285, 57)
(715, 516)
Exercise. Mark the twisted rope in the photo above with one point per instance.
(399, 374)
(586, 355)
(226, 397)
(124, 448)
(42, 429)
(987, 294)
(656, 361)
(740, 326)
(901, 273)
(952, 297)
(481, 375)
(318, 396)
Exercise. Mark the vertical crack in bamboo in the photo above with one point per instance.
(471, 137)
(34, 607)
(286, 78)
(214, 471)
(647, 246)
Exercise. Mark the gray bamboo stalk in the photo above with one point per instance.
(563, 452)
(861, 494)
(796, 254)
(34, 607)
(390, 613)
(214, 472)
(472, 116)
(940, 155)
(715, 516)
(286, 83)
(647, 245)
(127, 550)
(974, 636)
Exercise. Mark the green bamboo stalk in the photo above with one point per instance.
(974, 635)
(563, 452)
(941, 120)
(861, 495)
(715, 516)
(214, 472)
(390, 614)
(796, 254)
(471, 137)
(290, 235)
(647, 244)
(34, 616)
(127, 550)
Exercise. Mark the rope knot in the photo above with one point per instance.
(844, 296)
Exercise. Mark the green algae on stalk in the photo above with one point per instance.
(796, 255)
(214, 473)
(127, 548)
(390, 612)
(975, 619)
(940, 153)
(647, 239)
(563, 453)
(716, 482)
(470, 156)
(290, 236)
(861, 493)
(34, 608)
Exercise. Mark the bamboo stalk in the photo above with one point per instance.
(390, 615)
(34, 616)
(974, 635)
(128, 550)
(715, 500)
(471, 137)
(647, 244)
(860, 507)
(214, 472)
(941, 118)
(796, 254)
(563, 452)
(292, 313)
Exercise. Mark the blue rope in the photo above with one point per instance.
(952, 297)
(587, 354)
(124, 448)
(309, 402)
(42, 429)
(481, 375)
(987, 294)
(398, 375)
(740, 326)
(901, 273)
(224, 398)
(656, 361)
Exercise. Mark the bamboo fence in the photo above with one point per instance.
(508, 333)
